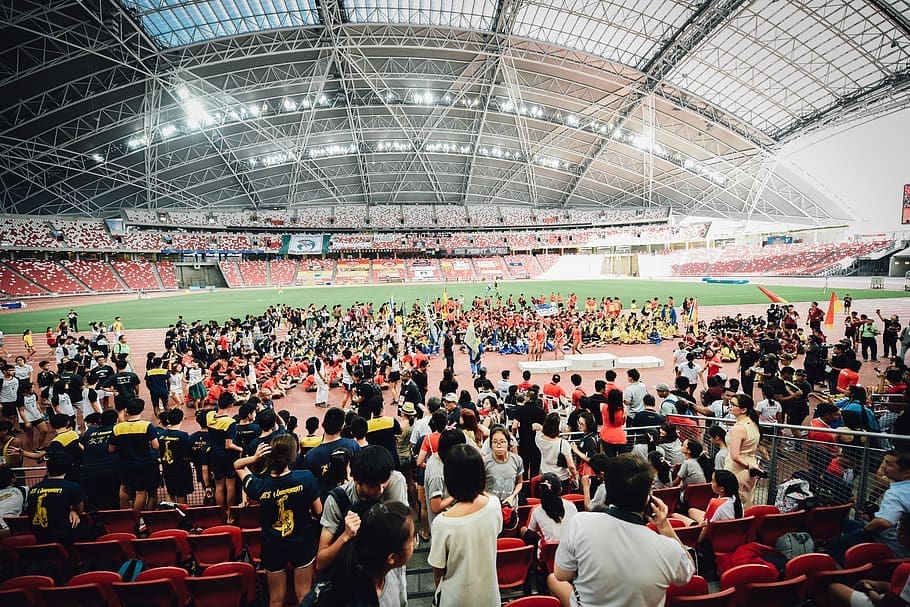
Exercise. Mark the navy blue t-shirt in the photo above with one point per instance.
(49, 505)
(317, 459)
(97, 456)
(285, 504)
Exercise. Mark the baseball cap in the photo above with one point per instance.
(450, 397)
(800, 372)
(662, 387)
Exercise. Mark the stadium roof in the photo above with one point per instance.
(200, 104)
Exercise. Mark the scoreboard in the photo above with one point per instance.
(905, 213)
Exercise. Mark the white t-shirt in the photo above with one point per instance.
(32, 413)
(550, 529)
(549, 452)
(725, 512)
(691, 473)
(434, 483)
(647, 563)
(12, 502)
(768, 411)
(465, 547)
(634, 394)
(720, 458)
(690, 373)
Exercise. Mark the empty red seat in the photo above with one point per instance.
(512, 565)
(205, 516)
(216, 591)
(746, 574)
(246, 571)
(867, 552)
(769, 529)
(717, 599)
(826, 522)
(698, 495)
(119, 521)
(727, 536)
(697, 585)
(176, 575)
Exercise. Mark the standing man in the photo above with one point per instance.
(647, 562)
(448, 349)
(890, 334)
(72, 319)
(867, 336)
(633, 395)
(815, 316)
(135, 441)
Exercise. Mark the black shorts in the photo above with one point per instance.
(8, 409)
(276, 553)
(394, 376)
(141, 478)
(797, 413)
(178, 480)
(222, 466)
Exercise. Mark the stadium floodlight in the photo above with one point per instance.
(97, 157)
(571, 119)
(137, 142)
(168, 130)
(289, 105)
(196, 114)
(183, 92)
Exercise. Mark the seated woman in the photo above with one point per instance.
(726, 506)
(697, 467)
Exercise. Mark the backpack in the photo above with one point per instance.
(794, 544)
(131, 569)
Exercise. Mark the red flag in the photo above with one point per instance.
(834, 306)
(772, 295)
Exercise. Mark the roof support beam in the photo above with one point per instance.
(900, 20)
(700, 25)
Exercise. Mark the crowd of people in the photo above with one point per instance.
(399, 461)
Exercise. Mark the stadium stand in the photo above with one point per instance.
(420, 270)
(451, 216)
(85, 234)
(417, 216)
(232, 274)
(546, 261)
(97, 275)
(167, 275)
(350, 216)
(188, 218)
(254, 273)
(315, 271)
(516, 216)
(14, 285)
(352, 271)
(457, 269)
(139, 240)
(489, 268)
(283, 271)
(385, 216)
(27, 232)
(315, 218)
(233, 242)
(522, 266)
(190, 241)
(389, 270)
(144, 216)
(484, 215)
(49, 275)
(137, 274)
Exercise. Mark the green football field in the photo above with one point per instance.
(226, 303)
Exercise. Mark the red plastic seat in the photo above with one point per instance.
(104, 580)
(697, 585)
(759, 512)
(125, 540)
(19, 596)
(884, 569)
(28, 585)
(252, 539)
(246, 517)
(698, 495)
(158, 551)
(771, 594)
(809, 564)
(504, 543)
(216, 591)
(717, 599)
(176, 575)
(83, 595)
(48, 557)
(157, 520)
(577, 499)
(119, 521)
(772, 526)
(867, 552)
(669, 496)
(206, 516)
(826, 522)
(524, 514)
(212, 548)
(18, 525)
(535, 601)
(152, 593)
(512, 565)
(727, 536)
(689, 535)
(535, 481)
(548, 554)
(178, 534)
(245, 570)
(817, 585)
(747, 574)
(107, 555)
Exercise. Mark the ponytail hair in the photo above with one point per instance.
(337, 470)
(745, 402)
(730, 484)
(697, 451)
(550, 491)
(283, 453)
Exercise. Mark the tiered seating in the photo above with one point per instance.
(523, 241)
(190, 241)
(451, 216)
(96, 275)
(350, 216)
(522, 266)
(140, 241)
(417, 215)
(350, 271)
(254, 273)
(231, 272)
(489, 268)
(283, 271)
(140, 216)
(319, 217)
(517, 216)
(457, 269)
(26, 232)
(389, 270)
(252, 218)
(49, 275)
(188, 218)
(484, 215)
(547, 261)
(137, 274)
(385, 216)
(85, 234)
(315, 271)
(423, 270)
(13, 285)
(233, 242)
(168, 275)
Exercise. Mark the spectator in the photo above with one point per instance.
(612, 432)
(555, 453)
(552, 518)
(55, 505)
(12, 498)
(743, 441)
(136, 443)
(504, 469)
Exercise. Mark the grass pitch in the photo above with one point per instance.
(225, 303)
